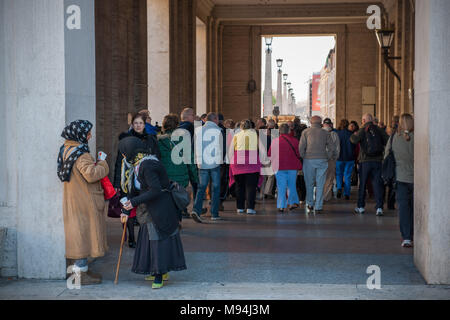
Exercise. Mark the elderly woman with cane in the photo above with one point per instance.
(159, 249)
(84, 207)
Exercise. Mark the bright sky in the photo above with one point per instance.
(302, 56)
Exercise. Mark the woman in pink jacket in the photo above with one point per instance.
(286, 162)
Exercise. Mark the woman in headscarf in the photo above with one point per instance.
(138, 125)
(84, 207)
(159, 249)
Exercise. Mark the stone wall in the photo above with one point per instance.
(121, 68)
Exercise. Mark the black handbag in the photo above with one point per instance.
(180, 196)
(388, 169)
(114, 207)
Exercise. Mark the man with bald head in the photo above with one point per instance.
(372, 140)
(316, 147)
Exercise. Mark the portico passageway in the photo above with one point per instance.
(47, 79)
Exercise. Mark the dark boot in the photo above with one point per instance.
(87, 279)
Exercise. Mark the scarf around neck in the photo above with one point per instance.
(76, 131)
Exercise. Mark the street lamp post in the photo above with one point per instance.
(285, 96)
(279, 84)
(268, 101)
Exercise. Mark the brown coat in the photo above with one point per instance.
(85, 209)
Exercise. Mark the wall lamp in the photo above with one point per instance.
(385, 38)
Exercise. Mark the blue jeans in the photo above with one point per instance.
(372, 170)
(287, 179)
(205, 176)
(81, 263)
(344, 171)
(315, 172)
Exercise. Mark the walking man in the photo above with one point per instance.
(209, 157)
(315, 145)
(334, 155)
(373, 141)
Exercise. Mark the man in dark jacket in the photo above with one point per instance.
(224, 167)
(187, 121)
(372, 138)
(346, 161)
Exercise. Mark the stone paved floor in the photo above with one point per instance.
(268, 256)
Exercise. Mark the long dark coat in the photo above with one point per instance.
(164, 214)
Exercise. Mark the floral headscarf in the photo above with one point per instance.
(76, 131)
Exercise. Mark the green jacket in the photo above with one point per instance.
(358, 138)
(182, 173)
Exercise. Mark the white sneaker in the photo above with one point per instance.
(251, 212)
(407, 244)
(380, 212)
(77, 269)
(360, 210)
(240, 211)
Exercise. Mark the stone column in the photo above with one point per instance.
(268, 102)
(201, 67)
(182, 54)
(280, 91)
(432, 138)
(158, 47)
(80, 68)
(285, 108)
(45, 85)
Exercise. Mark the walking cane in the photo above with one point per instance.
(120, 253)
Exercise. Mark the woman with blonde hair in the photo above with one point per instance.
(402, 144)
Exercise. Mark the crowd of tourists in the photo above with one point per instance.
(218, 159)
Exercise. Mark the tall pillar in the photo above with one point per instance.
(285, 106)
(182, 54)
(158, 49)
(45, 85)
(280, 91)
(432, 141)
(201, 67)
(268, 102)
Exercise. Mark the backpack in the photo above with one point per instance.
(373, 145)
(179, 195)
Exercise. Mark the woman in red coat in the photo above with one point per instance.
(286, 162)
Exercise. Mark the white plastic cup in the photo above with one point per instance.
(123, 201)
(102, 156)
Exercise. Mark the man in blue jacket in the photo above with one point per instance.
(346, 161)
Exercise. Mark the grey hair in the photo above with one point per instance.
(316, 120)
(368, 117)
(284, 128)
(186, 112)
(212, 116)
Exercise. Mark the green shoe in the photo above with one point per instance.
(157, 285)
(152, 278)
